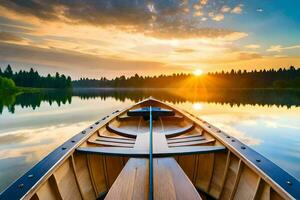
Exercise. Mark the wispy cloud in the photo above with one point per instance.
(280, 56)
(252, 46)
(238, 9)
(225, 9)
(279, 48)
(6, 36)
(203, 2)
(184, 50)
(216, 17)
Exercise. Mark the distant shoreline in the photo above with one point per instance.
(21, 90)
(172, 88)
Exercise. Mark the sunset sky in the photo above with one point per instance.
(110, 38)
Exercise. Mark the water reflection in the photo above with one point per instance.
(270, 97)
(34, 100)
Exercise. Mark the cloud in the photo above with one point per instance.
(156, 19)
(197, 6)
(184, 50)
(275, 48)
(248, 56)
(225, 9)
(252, 46)
(198, 13)
(216, 16)
(280, 56)
(203, 2)
(9, 37)
(259, 10)
(209, 33)
(279, 48)
(73, 62)
(238, 9)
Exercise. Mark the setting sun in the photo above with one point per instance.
(197, 106)
(198, 72)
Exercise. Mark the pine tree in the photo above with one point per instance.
(8, 72)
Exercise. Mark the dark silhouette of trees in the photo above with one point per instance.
(281, 78)
(32, 78)
(8, 73)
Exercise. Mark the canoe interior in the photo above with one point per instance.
(109, 160)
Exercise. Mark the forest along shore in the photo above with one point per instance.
(30, 81)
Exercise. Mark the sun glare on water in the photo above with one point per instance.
(198, 72)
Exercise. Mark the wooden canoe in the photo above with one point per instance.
(152, 150)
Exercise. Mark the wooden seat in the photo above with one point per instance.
(120, 137)
(122, 132)
(113, 144)
(137, 153)
(125, 118)
(132, 134)
(185, 136)
(170, 182)
(177, 132)
(189, 139)
(105, 139)
(192, 143)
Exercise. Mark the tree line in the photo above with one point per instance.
(281, 78)
(33, 79)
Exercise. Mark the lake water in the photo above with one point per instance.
(32, 125)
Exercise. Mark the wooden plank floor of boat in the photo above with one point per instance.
(169, 180)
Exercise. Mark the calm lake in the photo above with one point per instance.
(32, 125)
